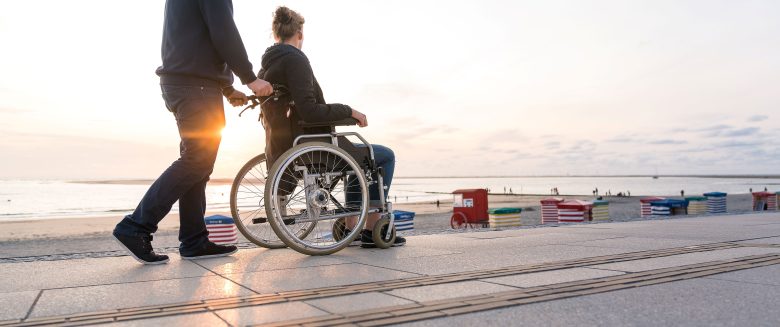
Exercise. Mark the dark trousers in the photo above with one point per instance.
(384, 158)
(200, 116)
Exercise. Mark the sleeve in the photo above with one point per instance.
(300, 82)
(218, 15)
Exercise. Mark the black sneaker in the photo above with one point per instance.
(399, 241)
(209, 250)
(367, 239)
(141, 249)
(354, 242)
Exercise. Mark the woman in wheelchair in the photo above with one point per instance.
(285, 64)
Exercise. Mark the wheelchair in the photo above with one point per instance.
(305, 199)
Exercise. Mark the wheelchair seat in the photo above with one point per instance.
(360, 154)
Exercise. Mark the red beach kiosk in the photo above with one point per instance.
(470, 207)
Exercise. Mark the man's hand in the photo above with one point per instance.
(360, 117)
(237, 98)
(261, 88)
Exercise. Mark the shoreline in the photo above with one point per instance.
(428, 216)
(222, 181)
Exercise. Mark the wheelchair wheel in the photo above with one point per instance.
(247, 205)
(339, 229)
(383, 234)
(316, 178)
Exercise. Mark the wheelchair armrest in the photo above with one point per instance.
(344, 122)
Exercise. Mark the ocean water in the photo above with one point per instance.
(31, 199)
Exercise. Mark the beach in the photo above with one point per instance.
(91, 234)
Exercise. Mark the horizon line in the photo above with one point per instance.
(223, 179)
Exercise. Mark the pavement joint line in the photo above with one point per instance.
(393, 269)
(32, 306)
(224, 277)
(390, 285)
(220, 318)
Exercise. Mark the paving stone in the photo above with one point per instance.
(450, 290)
(492, 258)
(684, 259)
(83, 272)
(770, 240)
(769, 275)
(552, 277)
(104, 297)
(640, 243)
(191, 320)
(269, 313)
(699, 302)
(315, 277)
(251, 260)
(364, 301)
(15, 305)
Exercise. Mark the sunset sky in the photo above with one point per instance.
(489, 87)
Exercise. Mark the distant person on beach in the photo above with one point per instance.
(201, 50)
(682, 193)
(285, 63)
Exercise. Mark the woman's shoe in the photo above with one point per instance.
(367, 240)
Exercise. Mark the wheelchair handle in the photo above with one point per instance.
(280, 90)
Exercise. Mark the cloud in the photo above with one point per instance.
(552, 145)
(742, 132)
(663, 142)
(621, 139)
(738, 144)
(758, 118)
(715, 128)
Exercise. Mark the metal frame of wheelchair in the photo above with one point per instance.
(295, 212)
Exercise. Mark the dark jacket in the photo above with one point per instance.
(201, 41)
(287, 65)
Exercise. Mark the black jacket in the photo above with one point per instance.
(201, 41)
(287, 65)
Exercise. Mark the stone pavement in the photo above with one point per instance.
(718, 270)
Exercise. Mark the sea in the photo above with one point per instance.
(37, 199)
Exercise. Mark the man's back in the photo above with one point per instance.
(200, 40)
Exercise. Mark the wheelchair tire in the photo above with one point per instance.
(315, 202)
(381, 228)
(247, 205)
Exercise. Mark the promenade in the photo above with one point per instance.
(702, 271)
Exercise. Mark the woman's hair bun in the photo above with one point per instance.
(286, 23)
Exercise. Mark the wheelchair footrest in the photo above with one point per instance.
(287, 221)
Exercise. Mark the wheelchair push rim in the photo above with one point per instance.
(247, 205)
(315, 177)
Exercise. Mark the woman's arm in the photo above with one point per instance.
(300, 82)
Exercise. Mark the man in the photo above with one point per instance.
(201, 49)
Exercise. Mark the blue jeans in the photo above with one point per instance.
(200, 117)
(384, 158)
